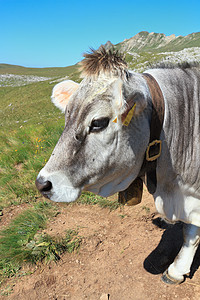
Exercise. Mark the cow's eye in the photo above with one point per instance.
(99, 124)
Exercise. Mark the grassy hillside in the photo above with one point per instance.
(26, 104)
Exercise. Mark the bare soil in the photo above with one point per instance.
(122, 256)
(9, 213)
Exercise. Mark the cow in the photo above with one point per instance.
(107, 139)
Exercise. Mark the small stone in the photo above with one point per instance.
(104, 297)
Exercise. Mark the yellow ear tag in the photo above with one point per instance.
(115, 120)
(129, 116)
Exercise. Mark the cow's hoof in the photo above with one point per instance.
(166, 278)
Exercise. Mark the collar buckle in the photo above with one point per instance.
(154, 150)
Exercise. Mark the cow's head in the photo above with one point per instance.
(102, 147)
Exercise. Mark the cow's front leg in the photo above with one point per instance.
(182, 263)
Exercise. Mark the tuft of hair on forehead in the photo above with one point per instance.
(103, 61)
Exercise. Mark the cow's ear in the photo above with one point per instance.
(62, 92)
(127, 104)
(137, 99)
(132, 106)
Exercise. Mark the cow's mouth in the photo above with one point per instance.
(56, 187)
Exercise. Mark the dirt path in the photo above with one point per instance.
(119, 258)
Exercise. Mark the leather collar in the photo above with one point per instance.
(155, 145)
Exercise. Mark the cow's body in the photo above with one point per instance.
(96, 154)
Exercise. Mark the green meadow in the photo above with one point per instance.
(30, 126)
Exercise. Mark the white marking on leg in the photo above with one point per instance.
(183, 261)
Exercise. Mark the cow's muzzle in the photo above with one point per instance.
(44, 186)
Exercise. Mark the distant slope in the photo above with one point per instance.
(12, 75)
(49, 72)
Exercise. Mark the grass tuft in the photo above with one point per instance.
(22, 241)
(45, 248)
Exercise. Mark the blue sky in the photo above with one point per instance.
(47, 33)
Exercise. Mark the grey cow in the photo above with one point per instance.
(106, 137)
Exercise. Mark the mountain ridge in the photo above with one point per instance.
(154, 42)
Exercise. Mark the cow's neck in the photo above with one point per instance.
(133, 194)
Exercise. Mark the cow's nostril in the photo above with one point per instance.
(47, 186)
(43, 186)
